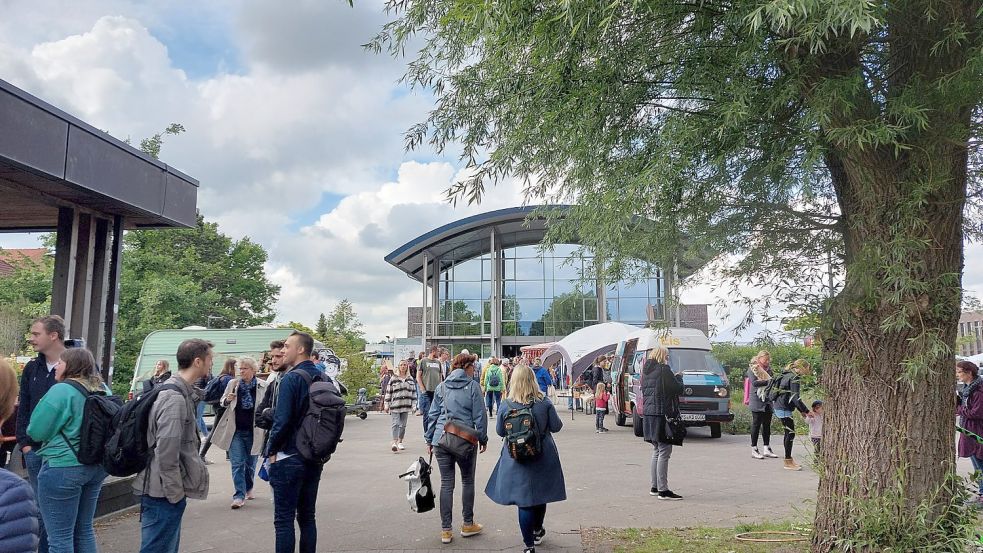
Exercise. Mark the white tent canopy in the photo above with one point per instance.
(578, 350)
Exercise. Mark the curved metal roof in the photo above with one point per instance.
(471, 237)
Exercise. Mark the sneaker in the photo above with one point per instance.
(250, 496)
(669, 495)
(394, 447)
(769, 453)
(790, 464)
(401, 446)
(756, 454)
(597, 431)
(604, 429)
(529, 550)
(539, 535)
(237, 503)
(446, 536)
(654, 491)
(469, 530)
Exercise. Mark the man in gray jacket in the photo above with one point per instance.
(175, 470)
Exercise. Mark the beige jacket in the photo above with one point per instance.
(226, 427)
(175, 470)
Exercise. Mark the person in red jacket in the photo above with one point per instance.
(970, 397)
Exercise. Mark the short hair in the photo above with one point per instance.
(969, 367)
(52, 323)
(659, 355)
(463, 361)
(817, 403)
(306, 341)
(8, 390)
(277, 344)
(192, 349)
(247, 360)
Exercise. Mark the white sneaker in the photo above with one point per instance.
(401, 446)
(770, 453)
(756, 454)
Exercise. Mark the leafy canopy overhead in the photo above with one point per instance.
(714, 119)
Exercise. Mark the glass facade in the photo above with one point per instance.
(550, 295)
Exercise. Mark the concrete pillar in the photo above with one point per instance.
(63, 282)
(435, 297)
(423, 331)
(496, 297)
(110, 297)
(85, 241)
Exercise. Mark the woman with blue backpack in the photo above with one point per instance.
(528, 473)
(493, 382)
(68, 489)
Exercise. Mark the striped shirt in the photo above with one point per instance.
(400, 394)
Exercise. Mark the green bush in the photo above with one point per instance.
(735, 358)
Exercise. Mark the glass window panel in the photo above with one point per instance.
(467, 291)
(656, 291)
(486, 288)
(549, 272)
(660, 310)
(612, 289)
(445, 329)
(632, 309)
(509, 288)
(531, 309)
(508, 269)
(509, 309)
(508, 329)
(612, 309)
(446, 310)
(527, 251)
(564, 268)
(634, 289)
(528, 269)
(529, 289)
(486, 310)
(523, 328)
(486, 268)
(467, 329)
(567, 308)
(467, 310)
(486, 330)
(564, 286)
(590, 310)
(532, 328)
(508, 252)
(486, 349)
(588, 288)
(564, 250)
(467, 270)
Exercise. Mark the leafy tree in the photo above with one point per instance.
(343, 322)
(321, 329)
(24, 295)
(777, 131)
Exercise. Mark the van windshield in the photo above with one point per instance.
(694, 360)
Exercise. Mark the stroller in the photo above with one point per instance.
(420, 494)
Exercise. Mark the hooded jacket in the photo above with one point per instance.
(18, 515)
(459, 397)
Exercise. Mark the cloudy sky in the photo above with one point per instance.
(294, 131)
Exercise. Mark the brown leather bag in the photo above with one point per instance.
(458, 439)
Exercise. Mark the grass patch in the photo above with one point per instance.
(693, 540)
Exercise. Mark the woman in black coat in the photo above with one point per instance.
(660, 399)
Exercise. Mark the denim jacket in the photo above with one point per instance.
(459, 397)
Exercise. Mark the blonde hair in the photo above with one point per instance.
(8, 390)
(801, 366)
(659, 355)
(600, 389)
(523, 387)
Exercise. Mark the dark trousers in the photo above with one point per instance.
(294, 484)
(448, 477)
(817, 445)
(789, 426)
(761, 423)
(531, 521)
(599, 420)
(160, 524)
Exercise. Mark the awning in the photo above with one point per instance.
(576, 352)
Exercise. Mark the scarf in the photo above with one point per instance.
(247, 394)
(968, 389)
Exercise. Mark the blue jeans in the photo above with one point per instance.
(531, 521)
(425, 399)
(243, 464)
(33, 462)
(978, 467)
(294, 484)
(160, 524)
(495, 398)
(201, 419)
(67, 501)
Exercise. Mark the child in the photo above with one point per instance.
(815, 422)
(601, 397)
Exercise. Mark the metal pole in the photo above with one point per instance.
(426, 277)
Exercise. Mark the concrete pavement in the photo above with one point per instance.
(362, 506)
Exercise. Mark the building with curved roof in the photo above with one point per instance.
(489, 288)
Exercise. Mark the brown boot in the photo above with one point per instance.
(790, 464)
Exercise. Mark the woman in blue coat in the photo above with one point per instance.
(532, 484)
(18, 512)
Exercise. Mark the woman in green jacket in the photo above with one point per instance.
(67, 489)
(493, 382)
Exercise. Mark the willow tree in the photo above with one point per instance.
(786, 134)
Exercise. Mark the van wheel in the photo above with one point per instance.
(620, 419)
(636, 423)
(714, 429)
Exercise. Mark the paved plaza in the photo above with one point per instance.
(362, 505)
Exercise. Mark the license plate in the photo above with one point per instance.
(689, 417)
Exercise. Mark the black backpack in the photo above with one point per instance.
(214, 390)
(322, 425)
(126, 450)
(522, 438)
(777, 386)
(97, 419)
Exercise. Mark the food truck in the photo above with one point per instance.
(706, 398)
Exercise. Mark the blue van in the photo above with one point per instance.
(705, 400)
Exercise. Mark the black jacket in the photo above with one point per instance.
(789, 399)
(35, 381)
(660, 390)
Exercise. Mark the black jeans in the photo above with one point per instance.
(531, 521)
(789, 426)
(294, 484)
(599, 419)
(446, 461)
(761, 423)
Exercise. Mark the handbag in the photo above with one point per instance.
(458, 439)
(673, 431)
